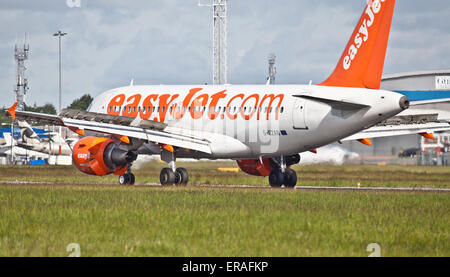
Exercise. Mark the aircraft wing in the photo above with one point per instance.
(407, 122)
(393, 130)
(148, 130)
(429, 101)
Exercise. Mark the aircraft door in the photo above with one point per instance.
(298, 114)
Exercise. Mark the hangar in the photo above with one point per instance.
(421, 85)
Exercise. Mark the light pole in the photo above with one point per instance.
(59, 34)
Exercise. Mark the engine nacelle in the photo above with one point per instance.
(258, 168)
(255, 166)
(101, 156)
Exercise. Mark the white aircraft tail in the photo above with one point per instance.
(28, 134)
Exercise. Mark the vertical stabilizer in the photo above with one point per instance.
(361, 63)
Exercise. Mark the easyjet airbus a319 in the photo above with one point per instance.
(262, 127)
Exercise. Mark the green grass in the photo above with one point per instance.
(207, 173)
(139, 221)
(113, 220)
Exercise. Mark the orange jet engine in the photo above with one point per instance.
(255, 167)
(101, 156)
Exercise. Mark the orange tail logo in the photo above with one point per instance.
(361, 64)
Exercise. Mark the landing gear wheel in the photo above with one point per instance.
(276, 178)
(132, 179)
(167, 176)
(290, 178)
(183, 176)
(124, 179)
(127, 179)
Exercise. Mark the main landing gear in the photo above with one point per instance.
(281, 174)
(172, 175)
(288, 178)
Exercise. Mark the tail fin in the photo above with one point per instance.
(28, 134)
(361, 64)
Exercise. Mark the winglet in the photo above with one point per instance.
(12, 110)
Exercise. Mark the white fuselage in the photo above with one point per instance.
(251, 121)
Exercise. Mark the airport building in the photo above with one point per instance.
(416, 86)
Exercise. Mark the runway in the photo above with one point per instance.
(297, 188)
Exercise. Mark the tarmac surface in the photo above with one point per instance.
(297, 188)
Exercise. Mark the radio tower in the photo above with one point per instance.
(272, 70)
(21, 87)
(219, 8)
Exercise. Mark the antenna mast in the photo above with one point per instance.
(272, 69)
(219, 8)
(21, 87)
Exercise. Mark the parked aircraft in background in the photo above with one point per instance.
(55, 145)
(10, 148)
(262, 127)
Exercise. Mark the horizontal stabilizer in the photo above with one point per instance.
(336, 102)
(431, 101)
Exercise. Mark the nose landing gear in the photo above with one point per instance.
(127, 178)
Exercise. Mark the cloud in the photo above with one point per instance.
(169, 42)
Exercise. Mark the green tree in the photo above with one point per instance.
(3, 117)
(81, 103)
(47, 109)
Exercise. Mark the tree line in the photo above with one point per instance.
(81, 103)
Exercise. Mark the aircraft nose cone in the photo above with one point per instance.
(404, 102)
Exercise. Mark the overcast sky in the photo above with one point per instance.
(109, 42)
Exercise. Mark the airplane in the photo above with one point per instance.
(262, 127)
(56, 145)
(11, 148)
